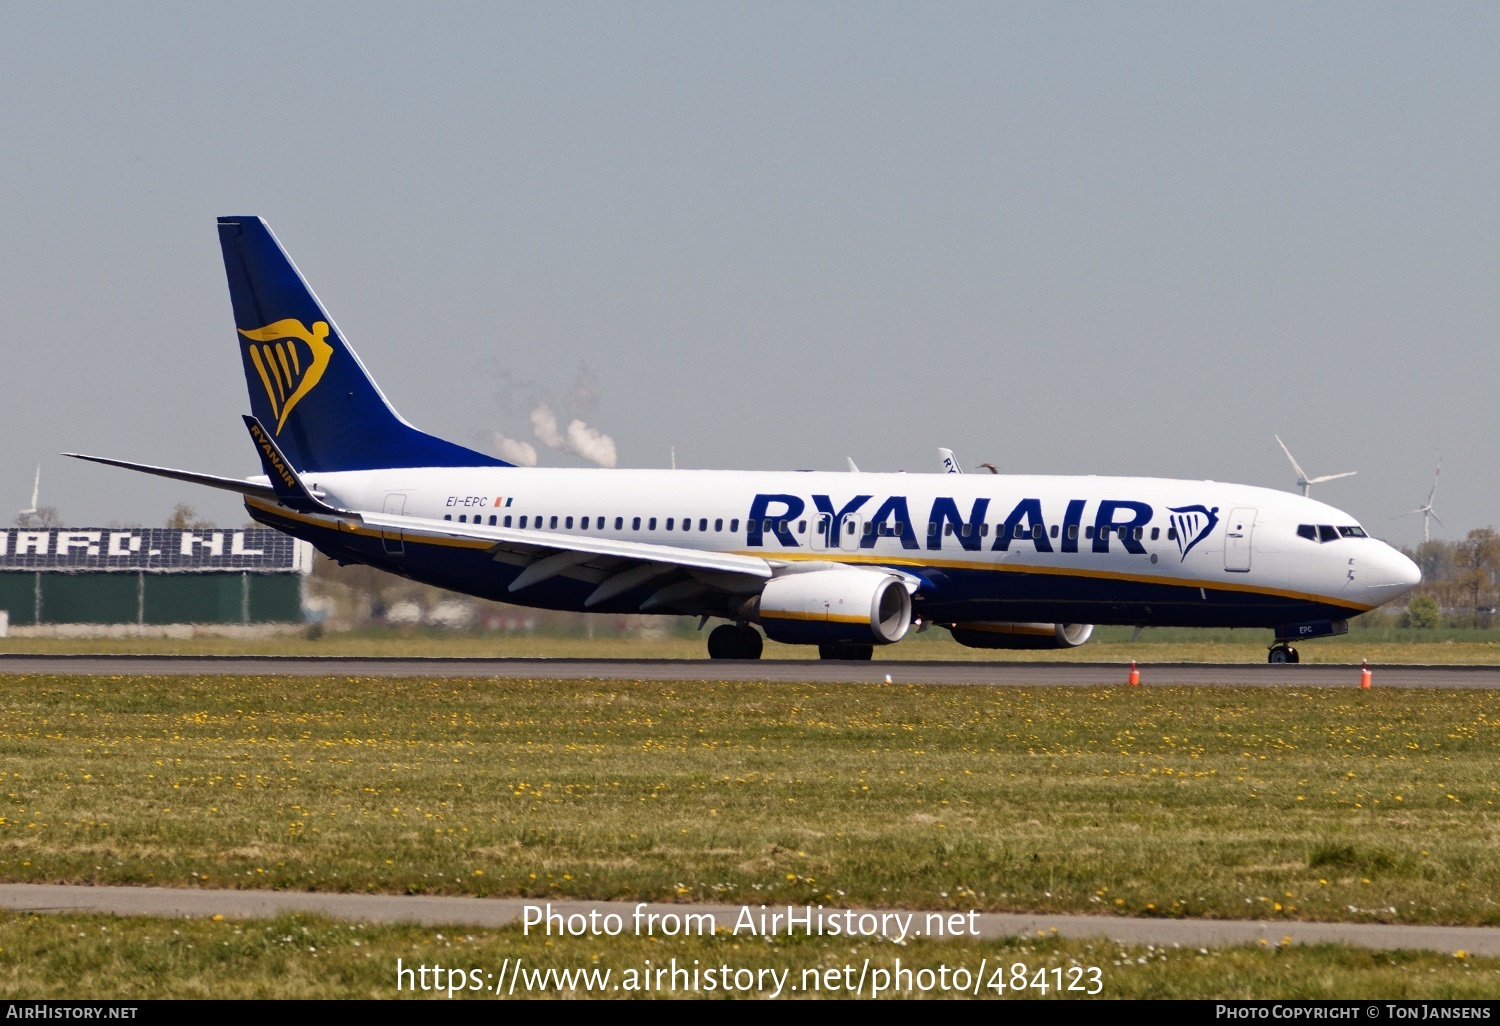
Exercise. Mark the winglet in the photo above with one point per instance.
(290, 491)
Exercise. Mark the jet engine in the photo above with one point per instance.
(1021, 635)
(837, 606)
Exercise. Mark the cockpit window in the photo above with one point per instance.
(1327, 533)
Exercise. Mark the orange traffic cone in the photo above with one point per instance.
(1364, 673)
(1135, 675)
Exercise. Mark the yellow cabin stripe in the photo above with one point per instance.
(824, 557)
(785, 614)
(1063, 571)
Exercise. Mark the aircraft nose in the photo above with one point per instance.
(1391, 575)
(1408, 571)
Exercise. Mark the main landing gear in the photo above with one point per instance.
(734, 641)
(1283, 654)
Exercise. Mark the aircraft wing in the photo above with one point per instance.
(615, 566)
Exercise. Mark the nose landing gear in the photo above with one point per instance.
(1283, 654)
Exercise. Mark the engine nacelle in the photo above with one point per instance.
(1021, 635)
(856, 607)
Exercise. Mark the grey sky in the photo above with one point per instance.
(1066, 238)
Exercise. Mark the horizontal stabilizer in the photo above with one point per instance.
(228, 484)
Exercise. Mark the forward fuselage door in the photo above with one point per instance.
(1237, 537)
(395, 506)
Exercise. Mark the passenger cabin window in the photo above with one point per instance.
(523, 521)
(507, 520)
(1054, 530)
(1171, 534)
(635, 523)
(651, 524)
(1155, 533)
(568, 523)
(734, 525)
(1088, 532)
(670, 522)
(619, 523)
(719, 524)
(1327, 533)
(553, 523)
(447, 516)
(462, 518)
(1353, 532)
(1072, 532)
(702, 524)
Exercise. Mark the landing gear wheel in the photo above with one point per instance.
(852, 653)
(755, 644)
(731, 641)
(1283, 654)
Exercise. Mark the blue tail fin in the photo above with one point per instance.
(306, 385)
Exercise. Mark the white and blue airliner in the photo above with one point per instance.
(843, 561)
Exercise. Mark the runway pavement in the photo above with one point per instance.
(769, 671)
(501, 912)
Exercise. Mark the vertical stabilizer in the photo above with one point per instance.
(306, 385)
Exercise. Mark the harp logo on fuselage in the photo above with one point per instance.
(1193, 524)
(290, 360)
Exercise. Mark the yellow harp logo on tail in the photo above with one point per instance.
(287, 370)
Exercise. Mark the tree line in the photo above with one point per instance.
(1458, 586)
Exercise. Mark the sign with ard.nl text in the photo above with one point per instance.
(258, 549)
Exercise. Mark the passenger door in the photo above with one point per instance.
(1238, 531)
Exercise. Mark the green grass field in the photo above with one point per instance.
(1240, 803)
(1109, 644)
(65, 956)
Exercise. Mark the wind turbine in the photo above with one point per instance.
(1303, 481)
(36, 487)
(1426, 508)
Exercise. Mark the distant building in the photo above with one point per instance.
(151, 576)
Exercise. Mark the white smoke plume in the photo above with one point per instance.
(579, 439)
(591, 443)
(544, 426)
(513, 450)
